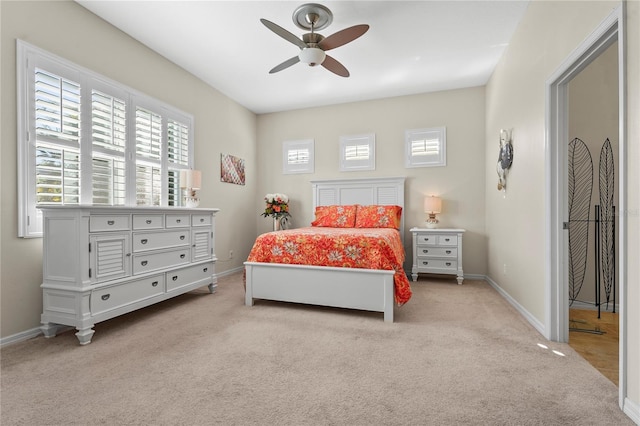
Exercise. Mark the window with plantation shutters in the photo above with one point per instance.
(425, 147)
(357, 153)
(84, 139)
(298, 156)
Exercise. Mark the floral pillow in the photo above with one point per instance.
(378, 217)
(335, 216)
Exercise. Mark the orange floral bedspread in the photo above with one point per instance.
(367, 248)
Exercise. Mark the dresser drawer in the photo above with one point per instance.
(147, 262)
(427, 240)
(437, 252)
(100, 223)
(148, 221)
(109, 298)
(186, 276)
(143, 241)
(445, 265)
(178, 220)
(200, 219)
(447, 240)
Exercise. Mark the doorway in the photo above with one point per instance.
(609, 32)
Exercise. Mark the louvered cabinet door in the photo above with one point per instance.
(110, 256)
(202, 244)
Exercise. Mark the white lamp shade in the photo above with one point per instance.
(191, 179)
(312, 56)
(432, 204)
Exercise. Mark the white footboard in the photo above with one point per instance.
(352, 288)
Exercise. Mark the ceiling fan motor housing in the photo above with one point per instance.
(312, 56)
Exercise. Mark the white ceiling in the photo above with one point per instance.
(411, 46)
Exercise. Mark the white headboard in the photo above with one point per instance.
(365, 191)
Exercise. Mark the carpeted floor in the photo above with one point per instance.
(455, 355)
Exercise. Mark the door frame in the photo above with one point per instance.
(556, 164)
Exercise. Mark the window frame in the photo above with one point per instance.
(348, 165)
(289, 168)
(412, 161)
(30, 57)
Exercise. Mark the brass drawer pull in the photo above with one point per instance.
(144, 263)
(143, 241)
(154, 284)
(105, 297)
(111, 222)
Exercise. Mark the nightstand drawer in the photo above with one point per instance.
(447, 240)
(437, 252)
(449, 265)
(427, 240)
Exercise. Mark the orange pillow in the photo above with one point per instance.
(378, 217)
(335, 216)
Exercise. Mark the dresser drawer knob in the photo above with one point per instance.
(174, 278)
(182, 256)
(448, 263)
(178, 220)
(448, 252)
(154, 284)
(425, 251)
(425, 263)
(182, 237)
(205, 269)
(105, 296)
(201, 220)
(148, 221)
(144, 263)
(447, 239)
(143, 241)
(111, 222)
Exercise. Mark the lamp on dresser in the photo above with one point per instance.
(190, 182)
(432, 206)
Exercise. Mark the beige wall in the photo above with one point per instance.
(460, 183)
(593, 117)
(547, 34)
(221, 125)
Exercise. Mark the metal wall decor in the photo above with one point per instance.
(505, 158)
(580, 187)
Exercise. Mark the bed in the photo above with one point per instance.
(361, 288)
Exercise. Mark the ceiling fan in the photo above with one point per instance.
(314, 17)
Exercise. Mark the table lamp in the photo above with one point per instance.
(432, 206)
(190, 181)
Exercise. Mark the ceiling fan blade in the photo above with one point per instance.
(284, 33)
(343, 37)
(285, 64)
(335, 66)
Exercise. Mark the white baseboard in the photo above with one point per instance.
(229, 271)
(632, 410)
(526, 314)
(20, 337)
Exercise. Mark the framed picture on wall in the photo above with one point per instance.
(231, 169)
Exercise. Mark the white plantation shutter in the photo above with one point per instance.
(298, 156)
(85, 139)
(357, 152)
(108, 135)
(425, 147)
(57, 108)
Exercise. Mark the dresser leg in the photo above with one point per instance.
(460, 278)
(84, 335)
(212, 287)
(414, 276)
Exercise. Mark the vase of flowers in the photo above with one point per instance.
(277, 207)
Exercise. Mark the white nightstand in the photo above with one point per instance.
(437, 251)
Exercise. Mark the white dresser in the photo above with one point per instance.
(101, 262)
(437, 251)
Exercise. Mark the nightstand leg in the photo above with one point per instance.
(460, 278)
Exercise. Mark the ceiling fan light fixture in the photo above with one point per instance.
(312, 56)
